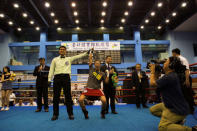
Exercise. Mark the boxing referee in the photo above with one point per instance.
(61, 69)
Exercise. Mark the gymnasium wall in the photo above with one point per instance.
(5, 39)
(184, 41)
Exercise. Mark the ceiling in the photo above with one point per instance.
(188, 25)
(89, 15)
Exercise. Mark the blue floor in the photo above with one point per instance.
(129, 118)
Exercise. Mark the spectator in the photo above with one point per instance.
(76, 87)
(12, 99)
(41, 71)
(6, 80)
(140, 83)
(110, 88)
(31, 102)
(20, 103)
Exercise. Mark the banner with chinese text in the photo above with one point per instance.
(79, 46)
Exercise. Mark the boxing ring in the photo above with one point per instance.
(128, 117)
(120, 90)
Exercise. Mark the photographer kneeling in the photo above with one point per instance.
(174, 108)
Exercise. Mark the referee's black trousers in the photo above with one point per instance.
(62, 81)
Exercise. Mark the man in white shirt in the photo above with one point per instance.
(61, 69)
(12, 99)
(31, 103)
(177, 53)
(187, 84)
(20, 103)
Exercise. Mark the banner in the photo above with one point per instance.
(79, 46)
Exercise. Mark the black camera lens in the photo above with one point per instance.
(148, 65)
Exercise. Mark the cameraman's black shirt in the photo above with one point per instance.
(172, 95)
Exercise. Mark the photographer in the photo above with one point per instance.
(158, 73)
(174, 108)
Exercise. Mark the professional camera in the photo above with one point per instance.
(157, 63)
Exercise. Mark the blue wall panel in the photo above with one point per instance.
(106, 37)
(43, 43)
(4, 50)
(74, 37)
(160, 42)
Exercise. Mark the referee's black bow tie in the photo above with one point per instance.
(62, 56)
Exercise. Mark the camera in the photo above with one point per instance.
(157, 63)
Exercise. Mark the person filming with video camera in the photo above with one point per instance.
(174, 108)
(158, 73)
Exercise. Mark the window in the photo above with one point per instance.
(51, 52)
(127, 53)
(153, 51)
(24, 55)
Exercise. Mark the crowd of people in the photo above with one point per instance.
(173, 87)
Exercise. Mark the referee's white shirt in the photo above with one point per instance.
(62, 65)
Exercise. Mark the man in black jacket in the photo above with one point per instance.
(42, 72)
(140, 82)
(109, 89)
